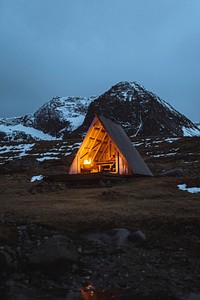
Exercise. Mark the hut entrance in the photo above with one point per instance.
(98, 153)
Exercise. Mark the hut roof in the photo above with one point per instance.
(123, 143)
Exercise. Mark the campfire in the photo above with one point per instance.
(89, 292)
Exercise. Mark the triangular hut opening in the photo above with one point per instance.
(107, 148)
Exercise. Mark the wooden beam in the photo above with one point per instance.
(99, 145)
(96, 138)
(103, 151)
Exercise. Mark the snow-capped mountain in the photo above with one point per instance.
(140, 112)
(61, 114)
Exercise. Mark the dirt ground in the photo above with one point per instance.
(170, 257)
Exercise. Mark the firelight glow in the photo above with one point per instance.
(87, 161)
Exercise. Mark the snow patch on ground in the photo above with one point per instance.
(164, 154)
(20, 149)
(25, 148)
(183, 187)
(36, 178)
(171, 140)
(46, 158)
(67, 153)
(9, 152)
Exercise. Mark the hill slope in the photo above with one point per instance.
(140, 112)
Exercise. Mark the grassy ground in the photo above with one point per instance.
(169, 217)
(154, 205)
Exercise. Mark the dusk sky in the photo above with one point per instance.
(82, 47)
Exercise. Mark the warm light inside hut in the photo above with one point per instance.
(87, 161)
(107, 149)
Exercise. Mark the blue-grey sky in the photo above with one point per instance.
(83, 47)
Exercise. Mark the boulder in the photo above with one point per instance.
(115, 237)
(57, 252)
(119, 236)
(173, 172)
(8, 260)
(25, 164)
(74, 295)
(137, 237)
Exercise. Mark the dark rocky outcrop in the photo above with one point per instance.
(137, 237)
(19, 165)
(56, 252)
(115, 237)
(173, 172)
(49, 119)
(46, 264)
(57, 115)
(140, 112)
(8, 261)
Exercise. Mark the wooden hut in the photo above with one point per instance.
(107, 148)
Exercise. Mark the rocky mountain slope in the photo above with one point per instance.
(48, 122)
(61, 114)
(140, 112)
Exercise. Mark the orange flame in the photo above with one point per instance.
(87, 161)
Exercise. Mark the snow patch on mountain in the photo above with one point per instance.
(13, 133)
(197, 124)
(10, 121)
(190, 131)
(73, 109)
(62, 114)
(27, 120)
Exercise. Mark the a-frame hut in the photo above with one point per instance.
(107, 148)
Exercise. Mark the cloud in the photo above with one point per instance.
(80, 47)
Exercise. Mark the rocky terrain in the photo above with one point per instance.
(61, 114)
(136, 238)
(139, 111)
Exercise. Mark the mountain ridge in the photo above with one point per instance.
(139, 111)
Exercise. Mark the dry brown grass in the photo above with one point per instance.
(154, 205)
(129, 205)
